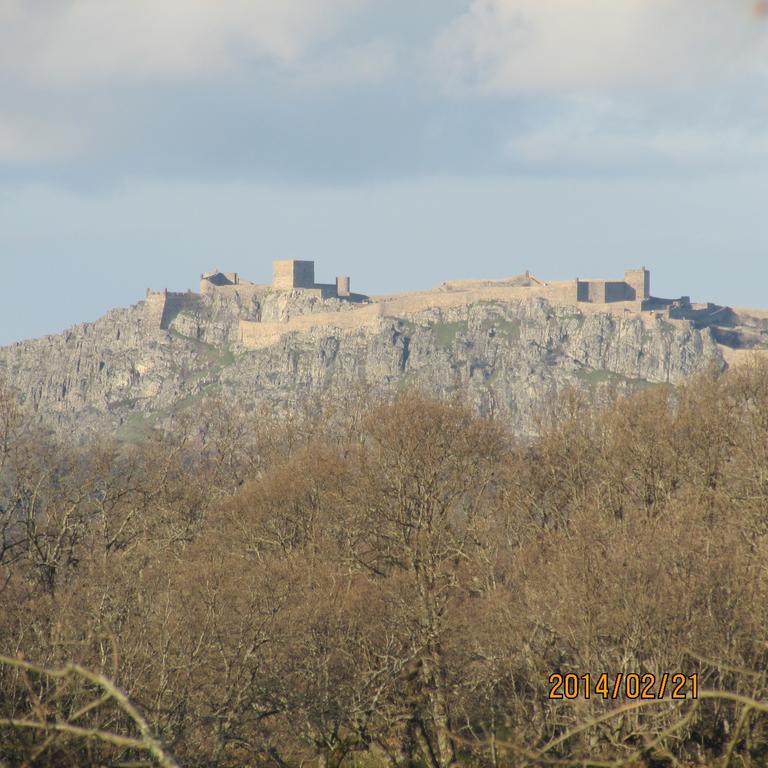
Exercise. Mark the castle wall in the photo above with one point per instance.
(561, 292)
(596, 292)
(616, 291)
(174, 303)
(256, 335)
(591, 291)
(289, 275)
(154, 307)
(245, 291)
(327, 290)
(603, 291)
(163, 306)
(304, 274)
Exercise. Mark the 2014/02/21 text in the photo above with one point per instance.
(630, 686)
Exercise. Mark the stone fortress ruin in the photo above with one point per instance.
(287, 275)
(294, 301)
(633, 292)
(636, 287)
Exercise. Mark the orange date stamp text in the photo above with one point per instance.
(624, 685)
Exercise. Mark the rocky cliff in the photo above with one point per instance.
(510, 357)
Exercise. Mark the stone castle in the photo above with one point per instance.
(287, 275)
(633, 292)
(306, 304)
(636, 287)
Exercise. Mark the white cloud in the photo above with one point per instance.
(28, 141)
(375, 61)
(570, 45)
(579, 146)
(74, 41)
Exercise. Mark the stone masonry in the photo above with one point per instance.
(295, 280)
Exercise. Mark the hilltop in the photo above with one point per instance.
(510, 346)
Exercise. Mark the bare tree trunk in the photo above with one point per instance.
(443, 746)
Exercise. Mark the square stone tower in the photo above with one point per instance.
(290, 273)
(639, 282)
(342, 287)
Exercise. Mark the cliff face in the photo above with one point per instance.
(509, 357)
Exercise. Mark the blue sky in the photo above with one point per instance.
(403, 143)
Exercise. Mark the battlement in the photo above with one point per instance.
(291, 275)
(163, 306)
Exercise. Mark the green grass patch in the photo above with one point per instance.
(446, 333)
(136, 428)
(219, 357)
(191, 400)
(509, 329)
(596, 377)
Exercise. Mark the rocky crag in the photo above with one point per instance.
(509, 353)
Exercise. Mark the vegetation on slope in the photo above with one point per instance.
(389, 584)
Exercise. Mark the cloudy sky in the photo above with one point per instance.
(403, 143)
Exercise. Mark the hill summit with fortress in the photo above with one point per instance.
(510, 347)
(295, 302)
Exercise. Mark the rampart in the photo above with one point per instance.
(630, 294)
(256, 335)
(243, 291)
(155, 307)
(163, 306)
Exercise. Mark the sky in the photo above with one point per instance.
(401, 143)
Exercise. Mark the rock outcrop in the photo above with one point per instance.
(509, 357)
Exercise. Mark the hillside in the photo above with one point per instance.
(511, 346)
(306, 573)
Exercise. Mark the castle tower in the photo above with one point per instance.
(342, 287)
(290, 273)
(639, 282)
